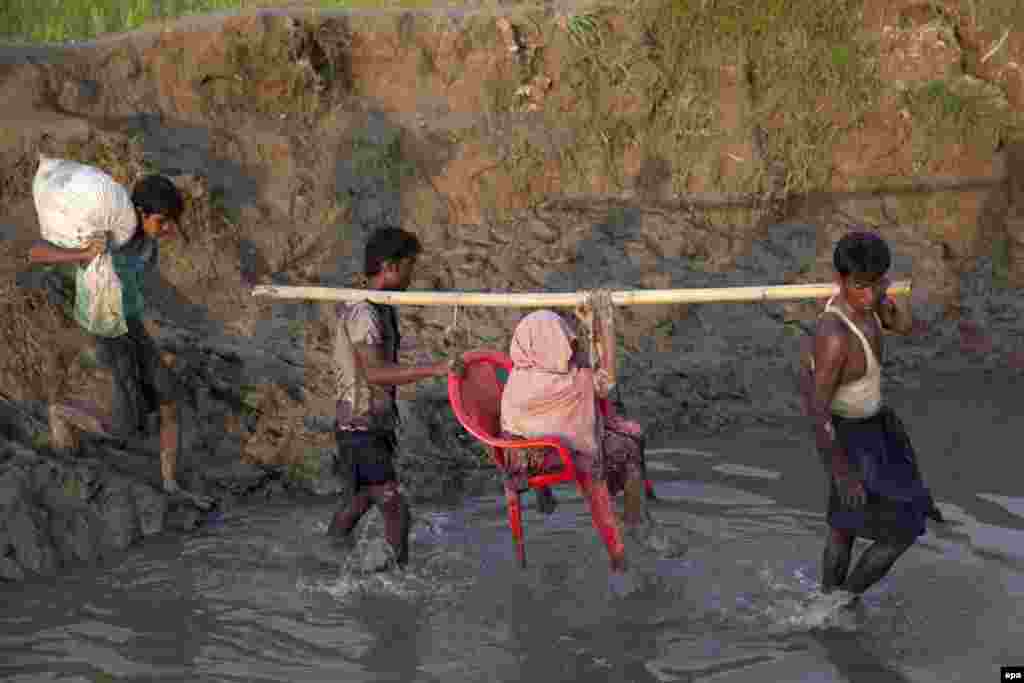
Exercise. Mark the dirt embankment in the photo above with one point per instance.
(532, 150)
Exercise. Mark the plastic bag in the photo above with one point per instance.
(76, 202)
(98, 304)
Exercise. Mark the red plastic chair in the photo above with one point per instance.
(476, 400)
(475, 397)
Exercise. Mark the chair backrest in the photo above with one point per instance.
(476, 395)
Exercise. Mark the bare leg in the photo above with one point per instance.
(345, 520)
(836, 560)
(603, 516)
(635, 503)
(169, 445)
(874, 564)
(396, 519)
(63, 435)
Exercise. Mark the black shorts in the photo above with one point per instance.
(142, 383)
(366, 458)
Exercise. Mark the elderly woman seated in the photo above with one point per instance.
(552, 392)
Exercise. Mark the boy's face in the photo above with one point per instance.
(863, 291)
(158, 225)
(399, 273)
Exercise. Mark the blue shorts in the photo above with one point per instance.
(366, 458)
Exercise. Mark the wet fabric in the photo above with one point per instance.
(365, 458)
(622, 453)
(141, 381)
(547, 392)
(621, 456)
(880, 452)
(526, 462)
(361, 406)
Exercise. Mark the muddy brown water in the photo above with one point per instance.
(263, 597)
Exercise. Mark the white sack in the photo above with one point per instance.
(75, 202)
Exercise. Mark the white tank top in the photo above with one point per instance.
(860, 398)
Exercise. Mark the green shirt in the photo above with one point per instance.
(132, 262)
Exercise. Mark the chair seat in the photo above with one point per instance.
(475, 398)
(530, 461)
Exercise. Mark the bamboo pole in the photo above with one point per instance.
(711, 295)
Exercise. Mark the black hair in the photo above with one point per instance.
(862, 252)
(389, 244)
(156, 194)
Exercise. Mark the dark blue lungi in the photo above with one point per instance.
(880, 452)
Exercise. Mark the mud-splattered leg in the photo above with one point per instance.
(346, 519)
(63, 435)
(874, 564)
(169, 444)
(835, 562)
(603, 516)
(396, 519)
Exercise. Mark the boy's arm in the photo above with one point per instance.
(895, 317)
(44, 252)
(383, 372)
(362, 329)
(831, 344)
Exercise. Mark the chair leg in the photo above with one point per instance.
(515, 521)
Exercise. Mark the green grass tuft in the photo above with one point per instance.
(72, 488)
(964, 110)
(307, 470)
(996, 15)
(40, 441)
(797, 63)
(250, 398)
(58, 21)
(384, 160)
(1001, 261)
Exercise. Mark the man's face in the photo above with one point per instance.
(158, 225)
(399, 273)
(863, 291)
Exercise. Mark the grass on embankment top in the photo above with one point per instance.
(58, 21)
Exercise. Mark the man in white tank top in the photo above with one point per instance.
(876, 490)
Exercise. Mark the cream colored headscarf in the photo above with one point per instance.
(546, 394)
